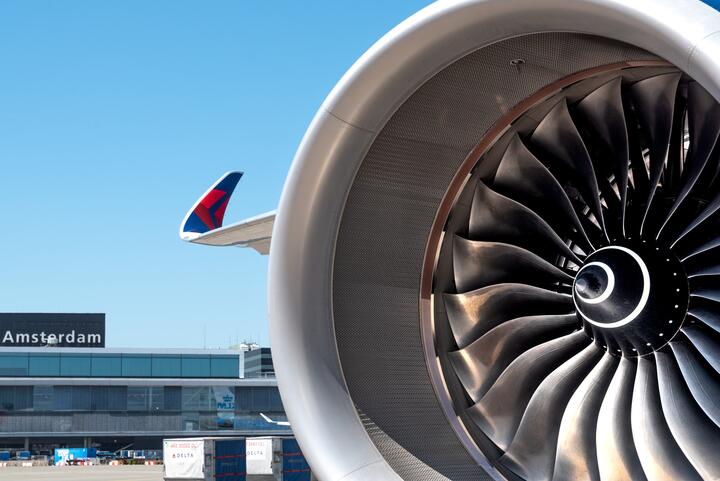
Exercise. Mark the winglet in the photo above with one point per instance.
(208, 212)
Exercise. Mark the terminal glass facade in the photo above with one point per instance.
(113, 409)
(119, 365)
(106, 398)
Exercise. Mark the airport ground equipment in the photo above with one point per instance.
(64, 456)
(204, 459)
(277, 456)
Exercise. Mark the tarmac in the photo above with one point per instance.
(91, 473)
(82, 473)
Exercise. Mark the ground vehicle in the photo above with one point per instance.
(106, 455)
(22, 455)
(74, 456)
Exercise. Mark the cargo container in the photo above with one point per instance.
(71, 455)
(259, 456)
(127, 454)
(291, 464)
(149, 454)
(277, 456)
(204, 459)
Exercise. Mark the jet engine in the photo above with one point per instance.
(497, 252)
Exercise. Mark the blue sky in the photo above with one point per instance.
(116, 116)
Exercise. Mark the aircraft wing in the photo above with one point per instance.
(254, 232)
(203, 222)
(279, 423)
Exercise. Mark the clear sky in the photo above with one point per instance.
(116, 115)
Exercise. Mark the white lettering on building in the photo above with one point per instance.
(72, 337)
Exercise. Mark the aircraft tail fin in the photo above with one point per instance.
(208, 212)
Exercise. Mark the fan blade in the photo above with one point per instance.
(499, 412)
(706, 345)
(525, 179)
(594, 231)
(706, 311)
(494, 217)
(654, 100)
(702, 265)
(659, 454)
(638, 183)
(478, 264)
(558, 137)
(704, 126)
(617, 457)
(474, 313)
(707, 270)
(479, 365)
(710, 176)
(674, 164)
(610, 202)
(605, 116)
(708, 211)
(704, 383)
(697, 437)
(576, 448)
(531, 454)
(706, 287)
(700, 240)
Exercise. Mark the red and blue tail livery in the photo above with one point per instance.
(207, 214)
(203, 224)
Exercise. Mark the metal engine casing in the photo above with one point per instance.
(365, 186)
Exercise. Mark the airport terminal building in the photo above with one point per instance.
(53, 395)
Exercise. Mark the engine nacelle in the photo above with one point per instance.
(493, 256)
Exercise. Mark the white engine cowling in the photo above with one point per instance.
(365, 354)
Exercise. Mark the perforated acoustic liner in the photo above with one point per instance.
(384, 232)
